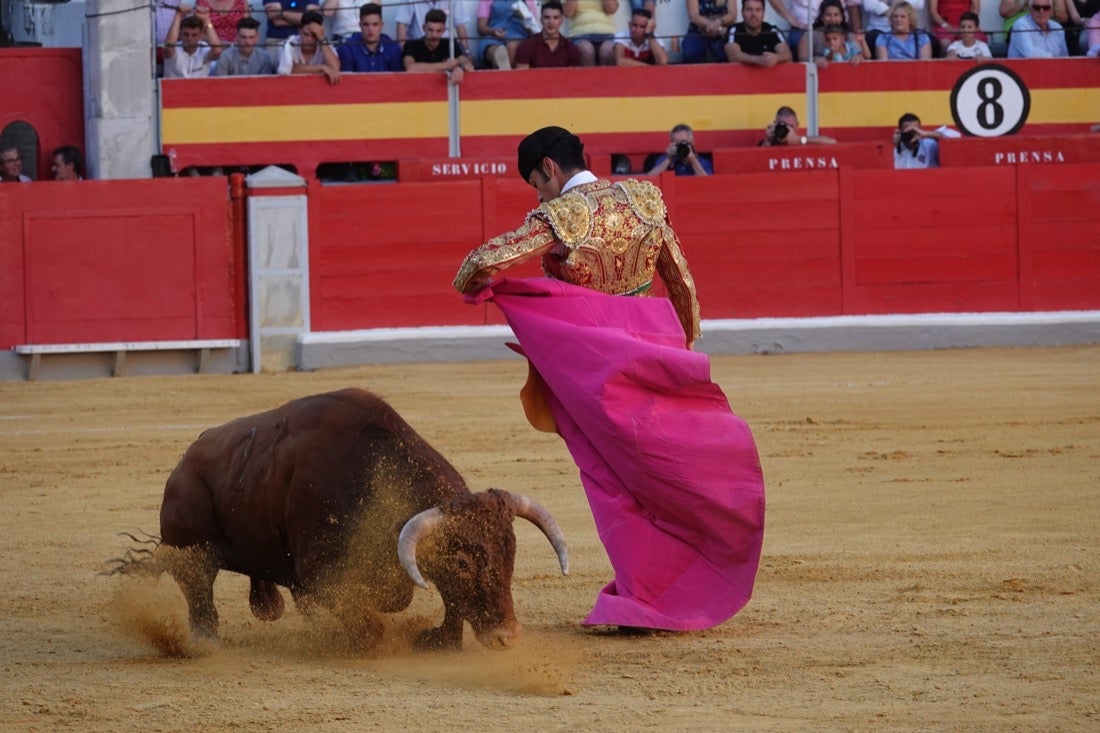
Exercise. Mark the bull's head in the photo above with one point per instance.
(472, 564)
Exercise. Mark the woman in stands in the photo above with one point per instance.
(502, 27)
(904, 41)
(224, 15)
(831, 12)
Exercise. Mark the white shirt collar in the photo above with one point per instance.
(578, 179)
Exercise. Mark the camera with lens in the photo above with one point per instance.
(780, 131)
(683, 149)
(908, 139)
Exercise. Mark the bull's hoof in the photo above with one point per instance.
(204, 642)
(436, 640)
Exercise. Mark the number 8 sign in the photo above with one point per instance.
(990, 101)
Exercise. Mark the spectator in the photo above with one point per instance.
(309, 52)
(343, 18)
(831, 12)
(796, 13)
(549, 48)
(1093, 36)
(592, 29)
(945, 17)
(430, 53)
(410, 19)
(876, 19)
(1036, 36)
(186, 54)
(243, 58)
(11, 166)
(680, 156)
(651, 6)
(502, 26)
(370, 49)
(913, 147)
(68, 164)
(905, 41)
(968, 46)
(839, 48)
(284, 17)
(224, 15)
(708, 27)
(639, 47)
(755, 42)
(783, 130)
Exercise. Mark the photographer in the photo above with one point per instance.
(783, 130)
(680, 156)
(914, 147)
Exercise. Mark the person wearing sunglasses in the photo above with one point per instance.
(1037, 35)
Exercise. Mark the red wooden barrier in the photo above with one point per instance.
(104, 261)
(974, 152)
(790, 158)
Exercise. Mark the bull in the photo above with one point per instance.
(336, 498)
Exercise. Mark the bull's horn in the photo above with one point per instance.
(414, 530)
(538, 515)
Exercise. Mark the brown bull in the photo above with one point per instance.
(331, 496)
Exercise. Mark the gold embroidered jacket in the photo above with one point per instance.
(610, 237)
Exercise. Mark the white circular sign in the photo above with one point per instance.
(990, 101)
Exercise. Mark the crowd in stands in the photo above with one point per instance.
(330, 37)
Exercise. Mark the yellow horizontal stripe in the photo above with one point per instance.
(284, 123)
(619, 115)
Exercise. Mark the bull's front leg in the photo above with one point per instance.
(447, 636)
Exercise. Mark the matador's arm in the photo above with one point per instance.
(673, 269)
(533, 239)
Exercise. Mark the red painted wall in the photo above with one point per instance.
(158, 260)
(97, 261)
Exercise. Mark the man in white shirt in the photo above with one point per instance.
(186, 54)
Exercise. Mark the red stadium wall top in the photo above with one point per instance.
(305, 122)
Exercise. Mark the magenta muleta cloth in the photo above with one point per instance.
(671, 474)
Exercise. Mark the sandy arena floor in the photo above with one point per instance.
(931, 562)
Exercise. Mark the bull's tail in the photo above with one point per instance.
(140, 559)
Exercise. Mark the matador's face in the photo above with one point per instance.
(545, 182)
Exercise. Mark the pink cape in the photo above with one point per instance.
(671, 474)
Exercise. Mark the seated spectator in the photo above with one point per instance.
(549, 48)
(410, 19)
(186, 54)
(639, 47)
(839, 48)
(783, 130)
(592, 29)
(283, 18)
(503, 25)
(796, 13)
(11, 166)
(755, 42)
(1093, 36)
(680, 156)
(224, 16)
(309, 52)
(913, 147)
(831, 12)
(243, 58)
(343, 18)
(876, 19)
(945, 17)
(651, 6)
(68, 164)
(905, 41)
(1036, 35)
(708, 29)
(968, 46)
(432, 52)
(370, 49)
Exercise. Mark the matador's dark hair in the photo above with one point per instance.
(555, 143)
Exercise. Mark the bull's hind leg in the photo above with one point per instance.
(195, 569)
